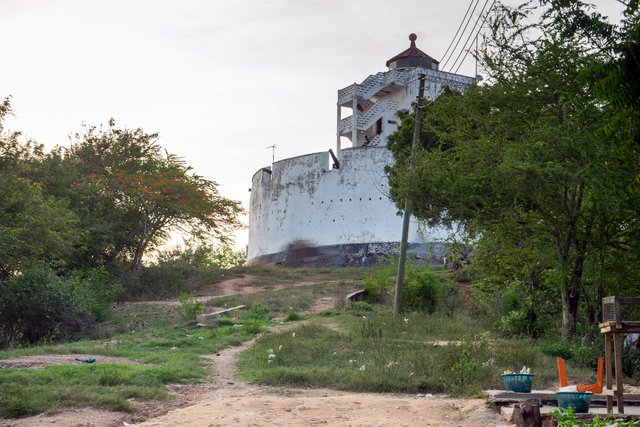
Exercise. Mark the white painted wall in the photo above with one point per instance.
(303, 199)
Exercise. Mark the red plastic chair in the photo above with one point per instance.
(594, 388)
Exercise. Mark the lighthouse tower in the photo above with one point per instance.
(333, 208)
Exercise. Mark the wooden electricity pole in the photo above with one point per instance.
(402, 258)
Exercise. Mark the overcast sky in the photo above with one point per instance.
(219, 80)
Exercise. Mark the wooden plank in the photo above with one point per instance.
(207, 317)
(628, 300)
(550, 396)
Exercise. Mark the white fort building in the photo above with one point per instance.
(333, 208)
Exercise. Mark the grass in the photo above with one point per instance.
(377, 352)
(365, 349)
(167, 347)
(289, 299)
(168, 350)
(267, 276)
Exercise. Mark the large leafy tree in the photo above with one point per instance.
(134, 194)
(527, 149)
(34, 227)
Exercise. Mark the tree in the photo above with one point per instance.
(34, 227)
(141, 193)
(528, 148)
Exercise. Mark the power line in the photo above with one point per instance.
(466, 46)
(462, 34)
(458, 30)
(484, 19)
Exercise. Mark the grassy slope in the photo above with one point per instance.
(167, 347)
(369, 351)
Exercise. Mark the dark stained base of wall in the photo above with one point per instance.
(300, 254)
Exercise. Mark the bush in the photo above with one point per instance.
(292, 316)
(191, 306)
(423, 290)
(95, 285)
(557, 350)
(38, 305)
(381, 282)
(259, 311)
(361, 306)
(178, 271)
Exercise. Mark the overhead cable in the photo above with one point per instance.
(458, 30)
(467, 46)
(461, 34)
(484, 19)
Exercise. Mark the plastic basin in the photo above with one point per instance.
(578, 401)
(520, 383)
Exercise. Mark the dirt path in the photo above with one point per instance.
(235, 402)
(231, 401)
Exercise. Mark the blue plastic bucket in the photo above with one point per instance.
(520, 383)
(578, 401)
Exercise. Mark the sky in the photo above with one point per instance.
(220, 81)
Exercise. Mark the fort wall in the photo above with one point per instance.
(304, 209)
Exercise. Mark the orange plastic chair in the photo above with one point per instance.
(594, 388)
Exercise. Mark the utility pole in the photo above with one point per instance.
(402, 258)
(273, 153)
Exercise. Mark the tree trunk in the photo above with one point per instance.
(137, 259)
(570, 301)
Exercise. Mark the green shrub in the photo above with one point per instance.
(423, 290)
(292, 316)
(177, 271)
(96, 286)
(568, 418)
(359, 306)
(38, 305)
(259, 311)
(381, 282)
(514, 324)
(464, 275)
(557, 350)
(191, 306)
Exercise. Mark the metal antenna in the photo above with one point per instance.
(273, 153)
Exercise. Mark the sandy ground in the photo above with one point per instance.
(228, 401)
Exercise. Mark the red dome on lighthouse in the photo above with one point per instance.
(412, 57)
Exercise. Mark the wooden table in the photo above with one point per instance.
(613, 327)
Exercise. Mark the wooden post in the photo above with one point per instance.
(608, 372)
(617, 353)
(402, 258)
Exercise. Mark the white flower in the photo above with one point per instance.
(411, 374)
(364, 317)
(280, 347)
(293, 334)
(352, 360)
(272, 356)
(361, 368)
(406, 320)
(270, 351)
